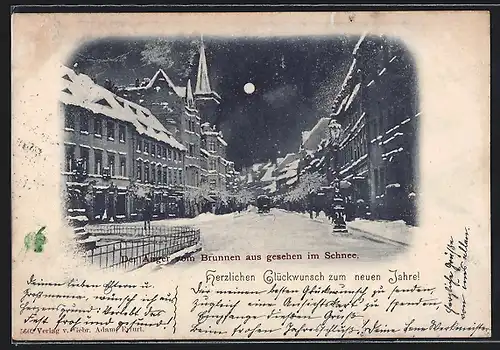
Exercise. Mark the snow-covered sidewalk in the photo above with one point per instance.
(397, 232)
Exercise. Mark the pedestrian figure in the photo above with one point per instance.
(147, 214)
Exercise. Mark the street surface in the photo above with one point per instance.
(279, 232)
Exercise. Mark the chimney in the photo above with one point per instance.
(76, 68)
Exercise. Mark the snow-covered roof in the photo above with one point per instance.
(352, 96)
(204, 151)
(292, 180)
(256, 167)
(290, 170)
(221, 140)
(79, 90)
(268, 175)
(290, 157)
(358, 44)
(317, 133)
(348, 77)
(160, 75)
(213, 133)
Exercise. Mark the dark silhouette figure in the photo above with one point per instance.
(147, 214)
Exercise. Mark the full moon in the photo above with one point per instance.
(249, 88)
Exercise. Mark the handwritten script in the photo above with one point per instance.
(318, 308)
(456, 264)
(224, 304)
(83, 307)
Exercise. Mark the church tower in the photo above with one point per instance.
(206, 100)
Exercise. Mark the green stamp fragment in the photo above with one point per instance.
(35, 241)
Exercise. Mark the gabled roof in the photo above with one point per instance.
(160, 75)
(79, 90)
(290, 170)
(290, 157)
(268, 175)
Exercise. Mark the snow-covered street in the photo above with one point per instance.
(278, 232)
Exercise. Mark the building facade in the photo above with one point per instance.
(378, 109)
(116, 154)
(214, 148)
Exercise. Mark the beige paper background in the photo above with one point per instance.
(451, 50)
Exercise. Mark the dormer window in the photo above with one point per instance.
(103, 102)
(133, 109)
(121, 103)
(65, 76)
(67, 91)
(145, 114)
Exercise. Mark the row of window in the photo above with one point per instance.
(158, 150)
(158, 174)
(95, 126)
(95, 160)
(117, 164)
(355, 148)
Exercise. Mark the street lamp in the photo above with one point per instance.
(338, 202)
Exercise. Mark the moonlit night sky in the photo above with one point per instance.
(295, 81)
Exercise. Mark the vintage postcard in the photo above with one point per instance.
(284, 175)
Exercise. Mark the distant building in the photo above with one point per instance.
(287, 172)
(232, 178)
(271, 178)
(117, 144)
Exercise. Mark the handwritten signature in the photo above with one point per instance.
(455, 285)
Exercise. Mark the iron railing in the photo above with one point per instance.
(137, 246)
(135, 230)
